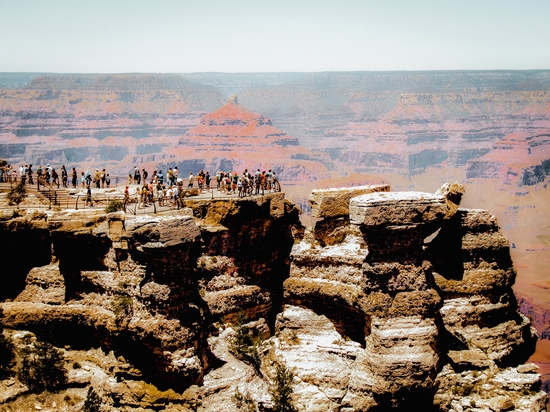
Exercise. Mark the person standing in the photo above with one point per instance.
(64, 176)
(207, 180)
(55, 178)
(137, 176)
(74, 178)
(89, 196)
(23, 173)
(97, 179)
(126, 197)
(191, 180)
(29, 171)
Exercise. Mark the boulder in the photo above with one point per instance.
(396, 209)
(334, 203)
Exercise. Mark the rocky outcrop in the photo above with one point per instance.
(391, 297)
(421, 291)
(149, 287)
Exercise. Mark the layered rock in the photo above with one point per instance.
(233, 138)
(391, 298)
(110, 121)
(139, 286)
(422, 287)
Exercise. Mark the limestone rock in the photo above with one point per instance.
(469, 359)
(44, 285)
(396, 208)
(376, 313)
(162, 231)
(453, 193)
(320, 358)
(334, 203)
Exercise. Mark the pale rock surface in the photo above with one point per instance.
(44, 285)
(334, 203)
(397, 208)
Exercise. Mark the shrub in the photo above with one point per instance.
(17, 194)
(92, 402)
(114, 205)
(123, 307)
(244, 402)
(42, 367)
(282, 390)
(244, 345)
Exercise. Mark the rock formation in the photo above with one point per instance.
(233, 138)
(391, 297)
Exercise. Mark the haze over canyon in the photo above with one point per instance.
(489, 130)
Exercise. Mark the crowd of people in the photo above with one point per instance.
(168, 190)
(49, 177)
(171, 188)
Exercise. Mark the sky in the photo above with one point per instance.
(184, 36)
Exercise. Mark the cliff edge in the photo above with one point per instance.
(391, 297)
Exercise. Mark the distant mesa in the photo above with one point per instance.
(234, 138)
(234, 124)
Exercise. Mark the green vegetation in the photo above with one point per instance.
(92, 402)
(244, 402)
(281, 393)
(42, 366)
(17, 194)
(122, 307)
(244, 345)
(114, 205)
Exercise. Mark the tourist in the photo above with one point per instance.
(207, 181)
(64, 176)
(137, 176)
(126, 197)
(89, 196)
(29, 171)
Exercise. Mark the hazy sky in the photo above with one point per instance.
(178, 36)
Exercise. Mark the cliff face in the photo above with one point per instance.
(147, 288)
(101, 119)
(389, 298)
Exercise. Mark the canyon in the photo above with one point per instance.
(390, 297)
(489, 130)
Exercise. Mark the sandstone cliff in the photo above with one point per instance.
(391, 297)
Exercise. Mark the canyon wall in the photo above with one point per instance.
(417, 130)
(390, 297)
